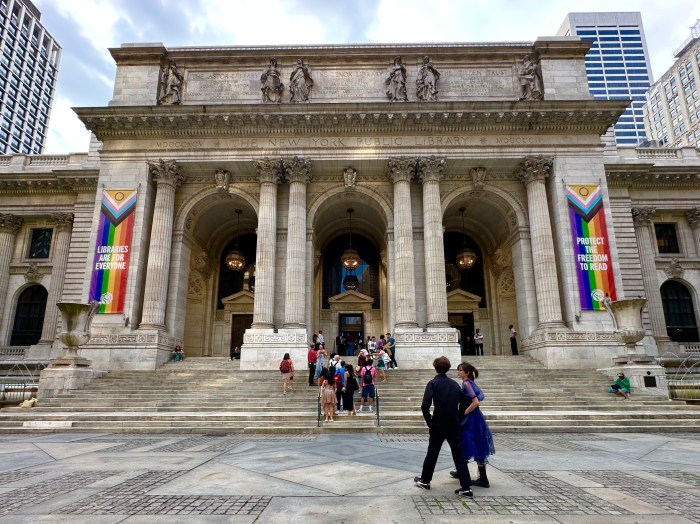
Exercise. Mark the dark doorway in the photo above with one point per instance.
(239, 323)
(681, 325)
(351, 327)
(464, 322)
(29, 316)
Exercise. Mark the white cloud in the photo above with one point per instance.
(67, 134)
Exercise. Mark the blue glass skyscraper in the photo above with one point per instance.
(617, 65)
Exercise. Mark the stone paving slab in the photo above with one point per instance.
(183, 478)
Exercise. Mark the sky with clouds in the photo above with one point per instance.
(85, 29)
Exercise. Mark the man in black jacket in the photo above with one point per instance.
(445, 394)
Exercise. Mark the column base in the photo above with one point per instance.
(263, 349)
(417, 348)
(54, 381)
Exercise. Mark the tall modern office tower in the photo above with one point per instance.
(617, 65)
(672, 112)
(29, 61)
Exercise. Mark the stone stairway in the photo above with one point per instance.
(211, 395)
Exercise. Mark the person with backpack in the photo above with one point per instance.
(367, 373)
(477, 441)
(287, 370)
(351, 386)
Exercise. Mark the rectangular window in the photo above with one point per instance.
(666, 238)
(40, 243)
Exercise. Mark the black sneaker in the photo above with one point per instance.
(421, 484)
(453, 474)
(465, 492)
(481, 483)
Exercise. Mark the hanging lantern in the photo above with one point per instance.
(350, 257)
(466, 258)
(235, 260)
(351, 282)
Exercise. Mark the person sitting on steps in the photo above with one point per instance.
(621, 387)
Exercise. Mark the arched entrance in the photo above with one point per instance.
(679, 313)
(29, 316)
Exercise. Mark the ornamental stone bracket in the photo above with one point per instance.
(350, 179)
(674, 269)
(478, 175)
(33, 274)
(222, 178)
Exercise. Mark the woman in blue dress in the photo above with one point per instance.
(477, 441)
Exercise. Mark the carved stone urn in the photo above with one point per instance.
(75, 331)
(628, 329)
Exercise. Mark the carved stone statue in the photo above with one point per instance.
(222, 179)
(396, 82)
(271, 83)
(530, 80)
(350, 177)
(170, 86)
(300, 83)
(426, 84)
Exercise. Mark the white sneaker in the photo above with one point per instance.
(370, 409)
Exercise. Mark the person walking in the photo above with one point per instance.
(339, 378)
(351, 386)
(311, 358)
(477, 441)
(478, 343)
(444, 394)
(328, 395)
(321, 356)
(513, 340)
(287, 370)
(391, 350)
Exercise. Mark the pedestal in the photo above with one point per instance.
(263, 349)
(416, 348)
(56, 380)
(645, 379)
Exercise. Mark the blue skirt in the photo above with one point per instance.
(477, 441)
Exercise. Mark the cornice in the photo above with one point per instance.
(48, 183)
(648, 176)
(528, 117)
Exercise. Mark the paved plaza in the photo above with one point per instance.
(568, 478)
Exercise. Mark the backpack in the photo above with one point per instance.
(367, 375)
(285, 367)
(338, 380)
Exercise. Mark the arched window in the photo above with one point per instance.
(679, 313)
(29, 316)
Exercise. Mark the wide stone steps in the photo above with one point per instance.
(214, 395)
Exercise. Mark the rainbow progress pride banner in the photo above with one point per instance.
(591, 247)
(112, 249)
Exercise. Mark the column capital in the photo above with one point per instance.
(642, 215)
(401, 169)
(693, 217)
(10, 223)
(430, 169)
(166, 172)
(62, 221)
(296, 169)
(534, 169)
(269, 170)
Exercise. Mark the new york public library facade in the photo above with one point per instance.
(252, 196)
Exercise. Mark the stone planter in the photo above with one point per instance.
(628, 329)
(75, 331)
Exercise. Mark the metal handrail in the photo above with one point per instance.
(318, 417)
(376, 402)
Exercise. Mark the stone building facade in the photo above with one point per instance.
(213, 207)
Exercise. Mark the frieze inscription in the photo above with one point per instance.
(350, 85)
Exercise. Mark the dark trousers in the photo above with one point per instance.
(338, 396)
(454, 439)
(479, 349)
(348, 401)
(312, 372)
(514, 346)
(393, 359)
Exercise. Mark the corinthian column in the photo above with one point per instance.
(400, 172)
(168, 178)
(647, 261)
(532, 172)
(430, 174)
(269, 174)
(9, 226)
(693, 217)
(297, 172)
(63, 226)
